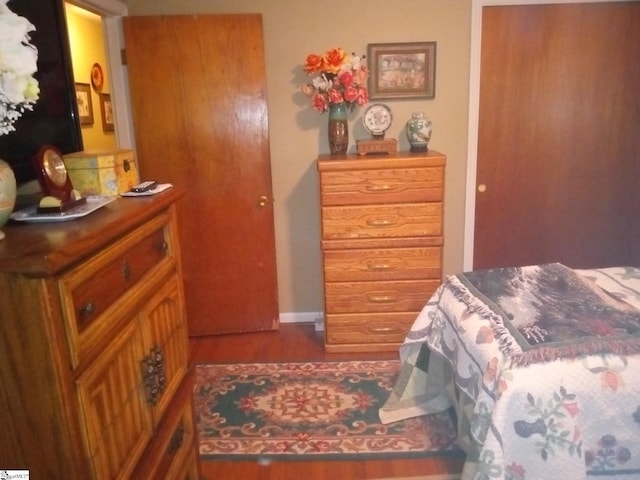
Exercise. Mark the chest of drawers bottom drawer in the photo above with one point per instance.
(352, 332)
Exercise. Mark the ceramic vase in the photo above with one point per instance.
(338, 129)
(7, 193)
(419, 132)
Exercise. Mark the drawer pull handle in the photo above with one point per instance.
(153, 374)
(126, 166)
(379, 266)
(87, 310)
(163, 248)
(382, 298)
(126, 271)
(150, 381)
(381, 222)
(382, 329)
(176, 440)
(380, 188)
(158, 359)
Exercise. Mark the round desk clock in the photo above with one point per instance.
(54, 181)
(377, 120)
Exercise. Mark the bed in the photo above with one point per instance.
(542, 365)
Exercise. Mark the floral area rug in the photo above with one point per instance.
(315, 410)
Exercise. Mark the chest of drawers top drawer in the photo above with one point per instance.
(390, 185)
(99, 287)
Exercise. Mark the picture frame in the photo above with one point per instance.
(106, 112)
(402, 70)
(85, 105)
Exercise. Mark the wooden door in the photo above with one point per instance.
(198, 93)
(558, 148)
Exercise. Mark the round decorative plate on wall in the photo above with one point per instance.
(97, 77)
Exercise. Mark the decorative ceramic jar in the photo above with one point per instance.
(338, 129)
(419, 132)
(7, 193)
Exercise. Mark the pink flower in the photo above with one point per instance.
(346, 79)
(571, 408)
(335, 96)
(360, 76)
(611, 379)
(339, 78)
(351, 94)
(319, 102)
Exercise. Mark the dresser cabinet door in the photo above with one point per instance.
(166, 342)
(117, 420)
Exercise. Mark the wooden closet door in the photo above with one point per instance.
(198, 93)
(559, 150)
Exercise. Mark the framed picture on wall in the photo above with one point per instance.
(85, 107)
(106, 112)
(402, 70)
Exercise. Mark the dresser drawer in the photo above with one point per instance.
(382, 221)
(95, 291)
(368, 328)
(172, 454)
(382, 264)
(105, 283)
(392, 185)
(392, 296)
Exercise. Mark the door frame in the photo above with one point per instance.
(474, 111)
(112, 12)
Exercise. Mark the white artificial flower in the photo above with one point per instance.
(19, 90)
(322, 83)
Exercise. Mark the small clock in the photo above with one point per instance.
(377, 120)
(54, 180)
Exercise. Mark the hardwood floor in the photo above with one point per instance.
(299, 342)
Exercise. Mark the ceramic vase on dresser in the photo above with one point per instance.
(338, 131)
(418, 131)
(7, 193)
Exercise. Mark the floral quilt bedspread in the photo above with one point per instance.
(554, 416)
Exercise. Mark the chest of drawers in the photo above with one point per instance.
(94, 347)
(382, 240)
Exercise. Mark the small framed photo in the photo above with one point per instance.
(402, 70)
(85, 107)
(106, 112)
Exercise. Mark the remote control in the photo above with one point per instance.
(144, 187)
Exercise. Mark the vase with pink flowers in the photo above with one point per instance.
(338, 86)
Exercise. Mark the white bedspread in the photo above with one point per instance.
(565, 419)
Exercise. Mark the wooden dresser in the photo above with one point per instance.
(382, 240)
(94, 370)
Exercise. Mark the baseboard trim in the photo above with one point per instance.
(317, 318)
